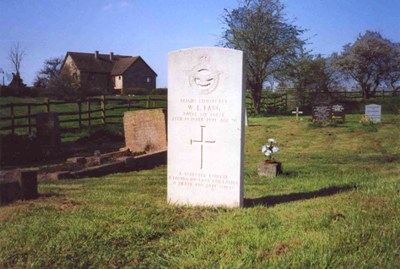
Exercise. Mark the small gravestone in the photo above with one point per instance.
(145, 130)
(206, 115)
(48, 129)
(338, 112)
(373, 112)
(321, 113)
(17, 184)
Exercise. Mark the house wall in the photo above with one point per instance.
(139, 76)
(69, 68)
(118, 82)
(90, 81)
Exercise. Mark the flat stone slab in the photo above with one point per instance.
(101, 170)
(270, 169)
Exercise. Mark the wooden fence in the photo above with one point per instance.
(346, 95)
(271, 104)
(81, 113)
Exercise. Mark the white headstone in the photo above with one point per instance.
(206, 88)
(373, 111)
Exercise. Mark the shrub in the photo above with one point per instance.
(135, 91)
(160, 91)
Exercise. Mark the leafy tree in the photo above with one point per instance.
(259, 28)
(309, 74)
(63, 87)
(392, 79)
(366, 61)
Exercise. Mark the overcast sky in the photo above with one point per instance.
(152, 28)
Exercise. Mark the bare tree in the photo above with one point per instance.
(15, 56)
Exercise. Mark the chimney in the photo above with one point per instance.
(96, 54)
(111, 56)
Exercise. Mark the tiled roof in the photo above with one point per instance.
(87, 62)
(122, 64)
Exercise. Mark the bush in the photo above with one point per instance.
(135, 91)
(19, 150)
(159, 91)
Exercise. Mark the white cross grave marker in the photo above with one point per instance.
(297, 112)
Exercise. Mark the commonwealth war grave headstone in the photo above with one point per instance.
(206, 127)
(373, 112)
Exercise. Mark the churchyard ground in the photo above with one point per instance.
(337, 205)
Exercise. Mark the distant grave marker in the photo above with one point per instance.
(297, 112)
(48, 129)
(321, 113)
(145, 130)
(373, 112)
(338, 112)
(206, 115)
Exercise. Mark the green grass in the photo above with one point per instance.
(337, 205)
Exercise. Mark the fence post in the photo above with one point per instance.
(47, 104)
(29, 119)
(148, 101)
(12, 117)
(80, 113)
(103, 109)
(88, 112)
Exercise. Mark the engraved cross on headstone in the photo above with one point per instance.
(203, 142)
(297, 112)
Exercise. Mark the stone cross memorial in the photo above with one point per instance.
(373, 112)
(206, 112)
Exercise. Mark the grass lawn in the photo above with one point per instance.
(337, 205)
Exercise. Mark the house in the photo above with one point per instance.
(108, 72)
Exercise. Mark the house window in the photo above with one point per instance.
(148, 79)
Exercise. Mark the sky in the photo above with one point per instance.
(153, 28)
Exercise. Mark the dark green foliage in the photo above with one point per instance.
(259, 28)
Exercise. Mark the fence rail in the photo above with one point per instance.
(83, 113)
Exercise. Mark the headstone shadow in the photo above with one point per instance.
(270, 201)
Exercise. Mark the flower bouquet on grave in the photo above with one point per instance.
(270, 167)
(269, 150)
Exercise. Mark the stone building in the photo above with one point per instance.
(109, 72)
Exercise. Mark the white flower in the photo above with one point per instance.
(271, 140)
(268, 153)
(264, 149)
(275, 149)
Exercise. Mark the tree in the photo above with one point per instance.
(51, 70)
(16, 55)
(366, 61)
(308, 73)
(259, 28)
(63, 87)
(392, 79)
